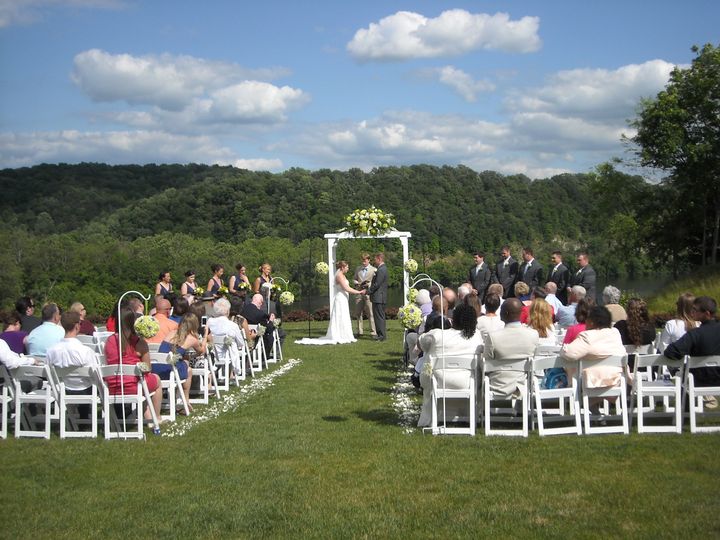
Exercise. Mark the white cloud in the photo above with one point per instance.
(605, 94)
(462, 83)
(29, 11)
(117, 147)
(406, 35)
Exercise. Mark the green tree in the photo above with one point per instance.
(679, 131)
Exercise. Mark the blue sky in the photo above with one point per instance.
(528, 87)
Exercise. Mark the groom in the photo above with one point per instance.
(378, 295)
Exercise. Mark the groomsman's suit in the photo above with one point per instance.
(560, 275)
(585, 277)
(480, 276)
(531, 273)
(505, 273)
(363, 278)
(378, 293)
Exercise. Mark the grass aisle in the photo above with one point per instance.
(321, 454)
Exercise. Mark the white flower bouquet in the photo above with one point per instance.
(146, 326)
(322, 268)
(369, 221)
(411, 266)
(286, 298)
(410, 316)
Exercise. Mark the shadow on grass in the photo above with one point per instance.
(389, 364)
(334, 418)
(385, 417)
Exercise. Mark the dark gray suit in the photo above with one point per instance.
(561, 278)
(378, 292)
(505, 275)
(585, 277)
(532, 274)
(480, 280)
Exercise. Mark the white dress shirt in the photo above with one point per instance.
(70, 352)
(11, 359)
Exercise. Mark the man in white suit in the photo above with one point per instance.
(513, 342)
(363, 277)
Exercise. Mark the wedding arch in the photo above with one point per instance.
(334, 238)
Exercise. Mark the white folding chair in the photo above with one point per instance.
(37, 396)
(276, 354)
(86, 340)
(461, 368)
(153, 347)
(64, 399)
(172, 385)
(5, 404)
(505, 414)
(697, 393)
(258, 355)
(663, 386)
(606, 393)
(541, 363)
(204, 372)
(136, 400)
(101, 338)
(230, 360)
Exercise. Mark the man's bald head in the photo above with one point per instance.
(162, 306)
(510, 310)
(257, 300)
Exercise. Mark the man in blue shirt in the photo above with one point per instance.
(48, 333)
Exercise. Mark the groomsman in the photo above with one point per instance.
(506, 271)
(585, 276)
(363, 277)
(559, 275)
(378, 295)
(480, 276)
(531, 271)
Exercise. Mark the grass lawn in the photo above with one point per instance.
(321, 454)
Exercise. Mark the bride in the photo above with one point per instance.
(340, 329)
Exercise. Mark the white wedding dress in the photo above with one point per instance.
(340, 329)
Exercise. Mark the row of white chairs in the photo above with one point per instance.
(224, 364)
(658, 388)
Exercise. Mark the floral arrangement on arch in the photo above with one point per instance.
(410, 316)
(286, 298)
(369, 221)
(411, 266)
(412, 295)
(322, 268)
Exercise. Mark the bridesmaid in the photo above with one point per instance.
(216, 281)
(265, 277)
(164, 285)
(237, 279)
(188, 287)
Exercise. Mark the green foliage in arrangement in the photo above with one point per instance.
(321, 454)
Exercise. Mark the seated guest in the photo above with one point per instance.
(636, 329)
(438, 316)
(473, 300)
(180, 308)
(678, 327)
(271, 306)
(581, 312)
(134, 351)
(450, 299)
(187, 289)
(255, 314)
(513, 342)
(599, 340)
(541, 320)
(495, 288)
(25, 308)
(522, 293)
(216, 280)
(86, 327)
(702, 341)
(11, 360)
(164, 284)
(424, 302)
(13, 336)
(236, 309)
(490, 322)
(551, 298)
(186, 343)
(69, 352)
(463, 291)
(111, 321)
(611, 299)
(162, 312)
(47, 334)
(566, 315)
(221, 325)
(537, 292)
(461, 339)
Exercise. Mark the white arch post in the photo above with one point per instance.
(334, 238)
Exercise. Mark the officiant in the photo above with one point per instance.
(363, 276)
